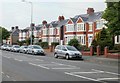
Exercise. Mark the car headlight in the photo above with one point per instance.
(80, 53)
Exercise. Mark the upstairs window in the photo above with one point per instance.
(99, 24)
(70, 28)
(80, 27)
(90, 26)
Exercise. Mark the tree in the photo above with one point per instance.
(74, 42)
(4, 34)
(28, 40)
(103, 39)
(112, 14)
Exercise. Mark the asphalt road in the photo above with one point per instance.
(25, 67)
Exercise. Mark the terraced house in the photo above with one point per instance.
(84, 27)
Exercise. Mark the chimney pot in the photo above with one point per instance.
(90, 11)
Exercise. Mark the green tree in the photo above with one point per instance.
(4, 33)
(112, 14)
(103, 39)
(74, 42)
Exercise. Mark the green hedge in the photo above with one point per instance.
(44, 45)
(117, 47)
(54, 44)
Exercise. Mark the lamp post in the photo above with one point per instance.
(31, 24)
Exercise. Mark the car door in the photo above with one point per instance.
(29, 49)
(63, 51)
(58, 50)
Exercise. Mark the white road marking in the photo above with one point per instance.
(33, 64)
(112, 73)
(49, 64)
(43, 67)
(13, 80)
(57, 63)
(81, 76)
(8, 76)
(66, 68)
(106, 72)
(6, 57)
(18, 60)
(39, 65)
(85, 72)
(63, 64)
(97, 70)
(107, 79)
(2, 72)
(39, 60)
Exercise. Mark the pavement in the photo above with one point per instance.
(95, 59)
(26, 67)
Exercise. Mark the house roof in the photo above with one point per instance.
(38, 27)
(90, 18)
(63, 22)
(15, 32)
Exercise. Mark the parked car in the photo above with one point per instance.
(23, 49)
(35, 49)
(9, 47)
(3, 47)
(67, 51)
(15, 48)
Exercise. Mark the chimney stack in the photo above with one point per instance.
(16, 27)
(12, 28)
(60, 18)
(90, 11)
(44, 22)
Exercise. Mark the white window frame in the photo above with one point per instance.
(79, 26)
(90, 23)
(70, 28)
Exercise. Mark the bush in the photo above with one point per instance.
(44, 44)
(94, 44)
(74, 42)
(105, 43)
(54, 44)
(117, 47)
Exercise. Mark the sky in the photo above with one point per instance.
(18, 13)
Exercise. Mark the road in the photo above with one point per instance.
(25, 67)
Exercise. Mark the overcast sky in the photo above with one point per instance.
(17, 13)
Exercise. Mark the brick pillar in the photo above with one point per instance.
(98, 50)
(51, 48)
(91, 51)
(106, 51)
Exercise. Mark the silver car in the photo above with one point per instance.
(9, 47)
(3, 47)
(67, 51)
(35, 49)
(23, 49)
(15, 48)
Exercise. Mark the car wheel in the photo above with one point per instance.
(33, 53)
(67, 57)
(55, 55)
(24, 51)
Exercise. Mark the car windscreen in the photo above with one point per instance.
(37, 47)
(25, 47)
(71, 48)
(17, 46)
(9, 46)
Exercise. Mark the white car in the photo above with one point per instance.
(3, 47)
(9, 47)
(23, 49)
(15, 48)
(67, 51)
(35, 49)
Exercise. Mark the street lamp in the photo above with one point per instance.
(31, 24)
